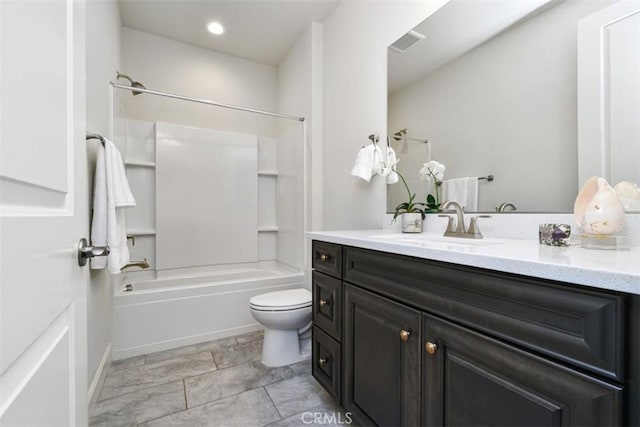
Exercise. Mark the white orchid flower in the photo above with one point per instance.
(432, 170)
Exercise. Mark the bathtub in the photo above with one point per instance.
(170, 312)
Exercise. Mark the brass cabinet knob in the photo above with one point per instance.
(431, 347)
(323, 361)
(324, 257)
(323, 302)
(404, 335)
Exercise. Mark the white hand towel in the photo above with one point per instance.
(367, 162)
(110, 196)
(462, 190)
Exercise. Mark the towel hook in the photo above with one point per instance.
(374, 137)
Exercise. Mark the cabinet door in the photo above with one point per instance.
(471, 379)
(326, 362)
(381, 360)
(327, 304)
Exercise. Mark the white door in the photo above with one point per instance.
(43, 214)
(609, 93)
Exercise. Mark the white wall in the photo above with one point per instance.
(298, 74)
(356, 37)
(506, 108)
(168, 66)
(103, 57)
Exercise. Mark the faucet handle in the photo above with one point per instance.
(450, 226)
(473, 226)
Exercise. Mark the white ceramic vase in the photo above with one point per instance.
(597, 209)
(412, 223)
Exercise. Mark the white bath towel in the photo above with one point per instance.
(462, 190)
(111, 195)
(368, 162)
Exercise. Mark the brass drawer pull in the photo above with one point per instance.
(431, 347)
(323, 361)
(324, 257)
(404, 335)
(323, 302)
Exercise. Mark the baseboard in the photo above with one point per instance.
(183, 341)
(98, 378)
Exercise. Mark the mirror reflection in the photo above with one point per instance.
(492, 86)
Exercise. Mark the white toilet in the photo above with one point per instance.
(286, 317)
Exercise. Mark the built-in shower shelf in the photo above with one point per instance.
(141, 164)
(268, 229)
(141, 232)
(267, 173)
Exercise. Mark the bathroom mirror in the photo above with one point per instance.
(492, 85)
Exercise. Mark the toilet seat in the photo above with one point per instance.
(291, 299)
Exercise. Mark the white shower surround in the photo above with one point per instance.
(206, 197)
(138, 139)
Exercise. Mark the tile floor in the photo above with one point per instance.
(217, 383)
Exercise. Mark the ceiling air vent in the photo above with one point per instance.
(405, 42)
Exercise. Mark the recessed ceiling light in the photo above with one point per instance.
(215, 28)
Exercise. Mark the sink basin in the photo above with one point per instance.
(436, 240)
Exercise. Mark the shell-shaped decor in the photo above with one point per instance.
(629, 195)
(597, 209)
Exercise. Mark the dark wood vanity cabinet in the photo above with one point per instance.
(431, 343)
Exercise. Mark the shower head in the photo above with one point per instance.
(400, 134)
(133, 84)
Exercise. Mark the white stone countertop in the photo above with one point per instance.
(617, 270)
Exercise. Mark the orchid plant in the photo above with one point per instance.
(410, 206)
(434, 172)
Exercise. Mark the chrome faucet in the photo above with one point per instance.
(503, 207)
(460, 230)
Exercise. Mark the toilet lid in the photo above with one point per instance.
(289, 299)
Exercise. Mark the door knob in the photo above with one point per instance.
(323, 302)
(431, 347)
(85, 251)
(404, 335)
(323, 361)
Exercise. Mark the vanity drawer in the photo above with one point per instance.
(326, 363)
(327, 303)
(576, 325)
(327, 258)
